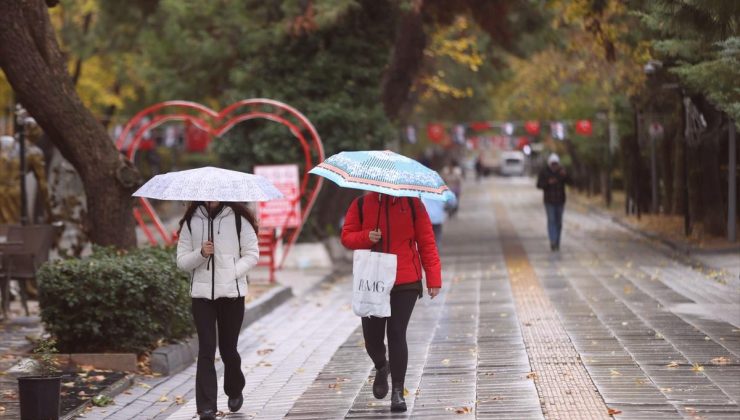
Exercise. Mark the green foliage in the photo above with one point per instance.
(115, 301)
(698, 41)
(44, 356)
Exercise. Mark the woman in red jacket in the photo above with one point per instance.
(397, 226)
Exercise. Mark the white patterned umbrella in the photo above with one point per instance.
(209, 184)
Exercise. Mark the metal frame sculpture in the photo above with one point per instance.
(216, 124)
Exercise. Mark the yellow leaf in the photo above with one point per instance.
(614, 372)
(697, 367)
(163, 398)
(722, 360)
(446, 362)
(180, 400)
(673, 364)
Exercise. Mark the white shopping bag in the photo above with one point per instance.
(374, 276)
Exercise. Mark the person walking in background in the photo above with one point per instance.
(217, 246)
(552, 180)
(437, 211)
(452, 174)
(400, 226)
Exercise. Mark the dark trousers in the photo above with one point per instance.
(223, 315)
(554, 222)
(374, 330)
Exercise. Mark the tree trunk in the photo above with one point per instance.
(406, 61)
(32, 61)
(678, 206)
(666, 168)
(710, 205)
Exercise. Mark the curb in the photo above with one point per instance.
(111, 391)
(684, 251)
(175, 358)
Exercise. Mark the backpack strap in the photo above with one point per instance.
(413, 210)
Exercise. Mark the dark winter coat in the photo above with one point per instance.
(554, 193)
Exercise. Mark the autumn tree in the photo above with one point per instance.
(31, 59)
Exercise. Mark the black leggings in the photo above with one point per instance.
(224, 315)
(374, 330)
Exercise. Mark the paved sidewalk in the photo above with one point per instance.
(611, 325)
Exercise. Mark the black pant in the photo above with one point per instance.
(374, 330)
(226, 314)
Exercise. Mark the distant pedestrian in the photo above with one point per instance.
(399, 226)
(453, 177)
(217, 246)
(552, 180)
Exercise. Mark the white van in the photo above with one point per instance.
(513, 163)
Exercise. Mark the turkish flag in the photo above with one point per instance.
(196, 140)
(532, 127)
(584, 128)
(436, 132)
(523, 141)
(480, 126)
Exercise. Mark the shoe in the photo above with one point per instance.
(380, 384)
(553, 247)
(235, 403)
(557, 247)
(208, 415)
(398, 404)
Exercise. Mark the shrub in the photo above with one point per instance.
(115, 301)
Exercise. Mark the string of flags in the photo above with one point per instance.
(463, 133)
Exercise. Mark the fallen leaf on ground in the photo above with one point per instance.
(405, 392)
(673, 364)
(614, 412)
(179, 400)
(532, 375)
(2, 409)
(143, 385)
(163, 398)
(68, 384)
(446, 362)
(86, 368)
(722, 360)
(614, 372)
(96, 378)
(264, 352)
(697, 367)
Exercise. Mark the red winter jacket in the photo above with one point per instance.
(400, 236)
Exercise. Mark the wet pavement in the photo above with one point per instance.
(610, 325)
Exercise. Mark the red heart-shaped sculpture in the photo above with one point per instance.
(218, 123)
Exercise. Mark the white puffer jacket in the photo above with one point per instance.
(226, 275)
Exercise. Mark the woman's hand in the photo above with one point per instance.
(375, 236)
(207, 249)
(433, 292)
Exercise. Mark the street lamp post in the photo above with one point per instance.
(21, 120)
(732, 185)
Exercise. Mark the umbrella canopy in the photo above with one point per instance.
(209, 184)
(385, 172)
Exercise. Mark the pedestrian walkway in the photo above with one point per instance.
(611, 325)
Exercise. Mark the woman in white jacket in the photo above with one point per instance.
(218, 246)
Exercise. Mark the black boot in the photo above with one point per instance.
(208, 415)
(398, 404)
(380, 384)
(235, 403)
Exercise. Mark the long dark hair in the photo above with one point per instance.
(240, 210)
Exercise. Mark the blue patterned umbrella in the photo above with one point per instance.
(384, 172)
